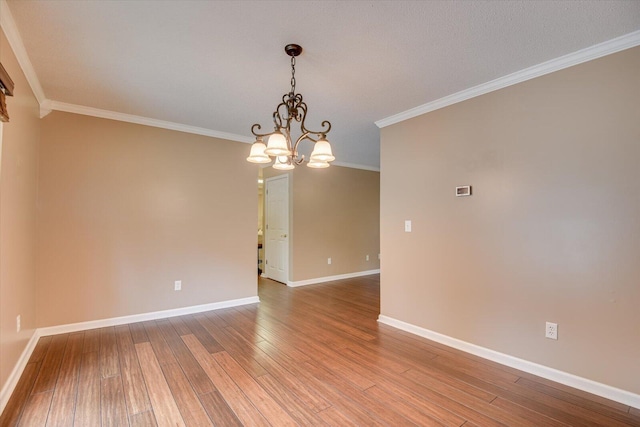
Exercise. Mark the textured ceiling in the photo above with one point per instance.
(220, 65)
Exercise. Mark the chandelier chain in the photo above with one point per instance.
(293, 74)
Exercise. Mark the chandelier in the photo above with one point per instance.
(280, 143)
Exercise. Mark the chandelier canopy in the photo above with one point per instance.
(280, 143)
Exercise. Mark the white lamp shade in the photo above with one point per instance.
(257, 153)
(316, 164)
(283, 163)
(277, 145)
(322, 151)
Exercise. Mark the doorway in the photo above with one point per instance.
(276, 229)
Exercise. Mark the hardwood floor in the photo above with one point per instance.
(313, 355)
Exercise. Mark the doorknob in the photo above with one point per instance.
(284, 235)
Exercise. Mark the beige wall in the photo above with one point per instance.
(18, 192)
(335, 214)
(551, 232)
(125, 210)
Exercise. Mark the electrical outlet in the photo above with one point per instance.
(407, 226)
(18, 323)
(177, 285)
(329, 261)
(551, 331)
(378, 256)
(367, 257)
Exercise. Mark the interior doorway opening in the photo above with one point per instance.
(260, 221)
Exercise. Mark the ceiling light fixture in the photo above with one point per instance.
(280, 144)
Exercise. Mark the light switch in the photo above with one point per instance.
(407, 226)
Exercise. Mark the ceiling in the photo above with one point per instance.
(220, 65)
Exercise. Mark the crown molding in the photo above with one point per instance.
(49, 105)
(15, 41)
(584, 55)
(356, 166)
(45, 108)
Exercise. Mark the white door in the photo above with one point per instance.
(277, 228)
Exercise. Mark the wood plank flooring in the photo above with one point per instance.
(313, 355)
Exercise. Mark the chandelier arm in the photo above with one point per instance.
(258, 127)
(277, 118)
(303, 106)
(304, 136)
(298, 141)
(277, 121)
(284, 105)
(321, 131)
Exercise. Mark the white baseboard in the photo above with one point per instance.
(123, 320)
(590, 386)
(332, 278)
(12, 381)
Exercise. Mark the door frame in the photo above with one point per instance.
(287, 257)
